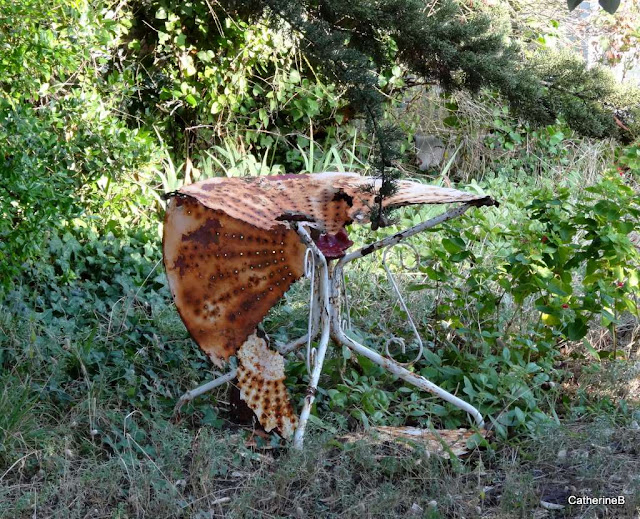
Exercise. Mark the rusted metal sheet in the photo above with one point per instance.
(330, 200)
(233, 246)
(224, 273)
(261, 383)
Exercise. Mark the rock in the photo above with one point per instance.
(550, 506)
(562, 454)
(415, 510)
(429, 151)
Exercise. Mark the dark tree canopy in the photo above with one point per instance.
(352, 42)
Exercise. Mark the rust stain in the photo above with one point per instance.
(261, 383)
(205, 234)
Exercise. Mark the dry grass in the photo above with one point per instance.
(205, 473)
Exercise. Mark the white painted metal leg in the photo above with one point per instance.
(194, 393)
(314, 319)
(413, 379)
(325, 324)
(283, 349)
(387, 363)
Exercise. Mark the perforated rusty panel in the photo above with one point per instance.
(225, 274)
(331, 200)
(261, 383)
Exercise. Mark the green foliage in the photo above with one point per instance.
(62, 143)
(586, 242)
(262, 73)
(46, 47)
(55, 160)
(576, 92)
(100, 328)
(506, 288)
(629, 160)
(210, 77)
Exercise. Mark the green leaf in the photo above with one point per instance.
(555, 287)
(294, 76)
(572, 4)
(468, 388)
(452, 121)
(550, 320)
(453, 245)
(477, 440)
(415, 287)
(590, 349)
(338, 399)
(577, 329)
(433, 274)
(461, 256)
(607, 209)
(210, 418)
(611, 6)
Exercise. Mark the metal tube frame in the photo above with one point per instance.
(326, 319)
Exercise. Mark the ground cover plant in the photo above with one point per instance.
(529, 311)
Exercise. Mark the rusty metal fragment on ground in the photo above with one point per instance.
(261, 383)
(442, 442)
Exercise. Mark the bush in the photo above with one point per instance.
(497, 293)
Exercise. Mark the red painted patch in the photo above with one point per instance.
(334, 245)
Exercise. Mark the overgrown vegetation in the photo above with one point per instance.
(529, 311)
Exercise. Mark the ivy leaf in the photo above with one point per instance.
(611, 6)
(572, 4)
(453, 245)
(210, 417)
(577, 329)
